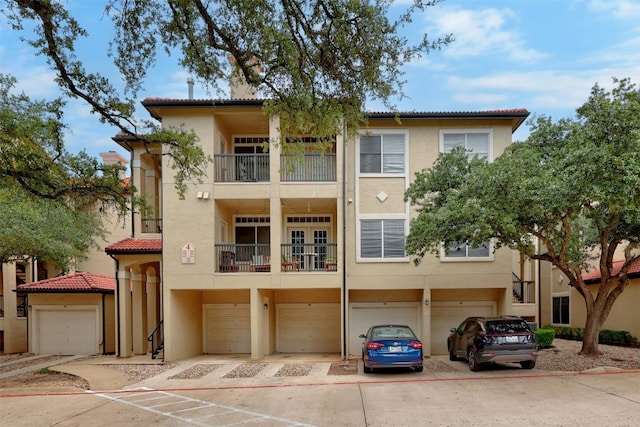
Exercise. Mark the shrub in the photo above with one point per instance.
(544, 337)
(606, 336)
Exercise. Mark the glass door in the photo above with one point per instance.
(309, 246)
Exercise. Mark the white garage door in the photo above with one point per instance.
(447, 315)
(67, 331)
(308, 328)
(227, 328)
(364, 315)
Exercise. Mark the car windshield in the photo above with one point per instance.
(506, 327)
(392, 332)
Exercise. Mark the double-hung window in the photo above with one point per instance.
(382, 238)
(477, 142)
(382, 153)
(465, 250)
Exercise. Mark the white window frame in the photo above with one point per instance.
(466, 258)
(465, 131)
(382, 133)
(360, 258)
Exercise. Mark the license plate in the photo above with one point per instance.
(395, 349)
(511, 339)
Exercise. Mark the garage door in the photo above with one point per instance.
(308, 328)
(363, 315)
(67, 331)
(227, 328)
(447, 315)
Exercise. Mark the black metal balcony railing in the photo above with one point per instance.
(309, 167)
(257, 258)
(152, 225)
(241, 167)
(310, 256)
(523, 290)
(255, 167)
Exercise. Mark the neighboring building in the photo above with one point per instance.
(562, 305)
(265, 258)
(71, 314)
(17, 325)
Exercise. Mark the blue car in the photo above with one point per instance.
(391, 346)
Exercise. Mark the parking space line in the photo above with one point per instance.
(201, 420)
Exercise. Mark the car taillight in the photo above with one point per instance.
(415, 344)
(374, 345)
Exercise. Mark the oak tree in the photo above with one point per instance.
(569, 195)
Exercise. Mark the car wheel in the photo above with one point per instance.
(473, 363)
(419, 368)
(528, 364)
(452, 355)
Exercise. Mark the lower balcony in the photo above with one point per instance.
(256, 258)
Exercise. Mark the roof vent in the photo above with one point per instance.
(190, 83)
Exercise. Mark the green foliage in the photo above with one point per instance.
(606, 336)
(544, 337)
(49, 199)
(44, 371)
(45, 229)
(569, 195)
(316, 62)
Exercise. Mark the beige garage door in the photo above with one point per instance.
(364, 315)
(308, 328)
(447, 315)
(227, 328)
(67, 331)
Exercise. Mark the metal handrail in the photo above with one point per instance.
(157, 339)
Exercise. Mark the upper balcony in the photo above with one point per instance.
(308, 167)
(256, 258)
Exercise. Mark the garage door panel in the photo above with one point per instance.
(364, 315)
(67, 331)
(308, 328)
(227, 328)
(445, 316)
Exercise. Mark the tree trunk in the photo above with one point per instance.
(591, 334)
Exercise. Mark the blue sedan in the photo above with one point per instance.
(391, 346)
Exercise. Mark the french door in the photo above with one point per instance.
(309, 246)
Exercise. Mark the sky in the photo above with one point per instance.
(541, 55)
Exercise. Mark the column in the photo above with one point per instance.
(139, 313)
(123, 314)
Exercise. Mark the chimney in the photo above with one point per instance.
(112, 158)
(240, 89)
(190, 83)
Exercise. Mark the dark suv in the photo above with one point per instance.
(493, 339)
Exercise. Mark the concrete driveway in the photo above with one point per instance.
(438, 397)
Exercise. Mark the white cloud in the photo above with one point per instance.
(623, 9)
(540, 91)
(481, 32)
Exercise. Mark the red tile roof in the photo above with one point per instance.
(595, 276)
(135, 246)
(80, 282)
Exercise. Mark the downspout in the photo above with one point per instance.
(344, 244)
(104, 327)
(117, 298)
(133, 223)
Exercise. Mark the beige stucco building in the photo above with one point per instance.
(562, 305)
(264, 258)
